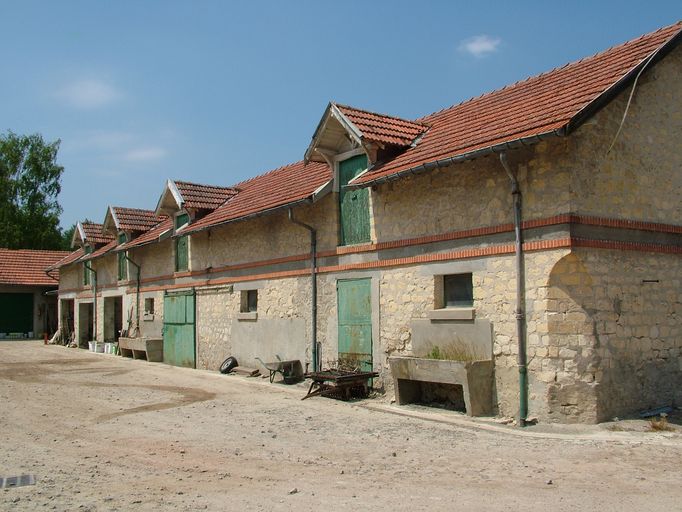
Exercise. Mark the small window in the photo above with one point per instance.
(149, 306)
(249, 301)
(458, 291)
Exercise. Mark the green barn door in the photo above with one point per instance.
(178, 329)
(16, 312)
(354, 204)
(355, 323)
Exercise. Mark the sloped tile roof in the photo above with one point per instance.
(70, 257)
(101, 251)
(94, 233)
(27, 267)
(150, 236)
(383, 128)
(135, 219)
(206, 197)
(535, 106)
(277, 188)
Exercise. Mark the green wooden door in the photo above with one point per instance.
(355, 323)
(354, 204)
(178, 329)
(16, 312)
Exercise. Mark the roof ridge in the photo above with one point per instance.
(202, 184)
(555, 69)
(131, 208)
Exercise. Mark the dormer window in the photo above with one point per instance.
(181, 244)
(353, 203)
(122, 262)
(87, 273)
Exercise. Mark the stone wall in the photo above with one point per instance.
(640, 178)
(280, 327)
(71, 276)
(264, 238)
(615, 334)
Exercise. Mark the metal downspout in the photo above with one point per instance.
(520, 295)
(313, 278)
(94, 295)
(137, 294)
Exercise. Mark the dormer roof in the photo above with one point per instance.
(343, 128)
(178, 195)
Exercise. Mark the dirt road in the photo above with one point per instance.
(104, 433)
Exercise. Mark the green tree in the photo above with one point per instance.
(29, 186)
(67, 236)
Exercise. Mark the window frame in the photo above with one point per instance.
(182, 242)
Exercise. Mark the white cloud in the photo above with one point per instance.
(480, 46)
(88, 94)
(145, 154)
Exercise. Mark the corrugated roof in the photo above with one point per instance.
(532, 107)
(383, 128)
(277, 188)
(135, 219)
(207, 197)
(27, 267)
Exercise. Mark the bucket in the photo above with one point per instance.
(99, 347)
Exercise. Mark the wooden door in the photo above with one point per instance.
(178, 329)
(355, 323)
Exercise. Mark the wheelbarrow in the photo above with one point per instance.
(291, 371)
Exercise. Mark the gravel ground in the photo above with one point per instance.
(104, 433)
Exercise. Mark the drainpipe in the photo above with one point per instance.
(94, 294)
(520, 293)
(137, 293)
(313, 280)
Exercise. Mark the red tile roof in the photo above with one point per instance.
(101, 251)
(94, 233)
(150, 236)
(382, 128)
(280, 187)
(206, 197)
(135, 219)
(27, 267)
(70, 258)
(535, 106)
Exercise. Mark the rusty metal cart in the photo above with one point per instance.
(340, 384)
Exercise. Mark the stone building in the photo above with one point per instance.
(28, 299)
(397, 236)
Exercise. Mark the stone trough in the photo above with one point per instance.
(150, 349)
(475, 375)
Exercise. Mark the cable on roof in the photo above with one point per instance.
(632, 93)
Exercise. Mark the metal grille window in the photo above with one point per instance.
(458, 290)
(149, 306)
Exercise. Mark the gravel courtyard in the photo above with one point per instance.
(104, 433)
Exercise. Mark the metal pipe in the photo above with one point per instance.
(94, 295)
(313, 279)
(137, 293)
(520, 294)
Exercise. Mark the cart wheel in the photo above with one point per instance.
(228, 365)
(272, 376)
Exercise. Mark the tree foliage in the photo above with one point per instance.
(29, 186)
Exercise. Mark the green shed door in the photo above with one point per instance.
(354, 204)
(355, 323)
(16, 312)
(178, 329)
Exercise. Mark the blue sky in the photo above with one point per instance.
(216, 91)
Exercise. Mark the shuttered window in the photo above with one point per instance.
(87, 273)
(354, 203)
(122, 263)
(181, 245)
